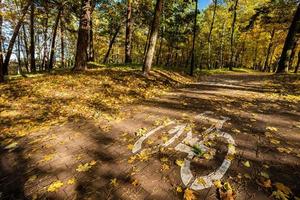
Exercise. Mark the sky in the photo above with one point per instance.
(203, 3)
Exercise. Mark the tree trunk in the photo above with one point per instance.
(221, 46)
(194, 40)
(1, 52)
(210, 32)
(128, 39)
(62, 42)
(160, 47)
(32, 42)
(153, 37)
(293, 30)
(13, 38)
(45, 44)
(291, 60)
(298, 63)
(52, 51)
(232, 34)
(83, 36)
(111, 43)
(26, 54)
(91, 43)
(266, 64)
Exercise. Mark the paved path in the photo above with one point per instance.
(94, 160)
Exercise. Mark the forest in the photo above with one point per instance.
(149, 99)
(45, 35)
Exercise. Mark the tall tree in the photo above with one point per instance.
(234, 9)
(210, 32)
(52, 51)
(288, 44)
(32, 42)
(153, 38)
(14, 37)
(266, 64)
(194, 39)
(62, 40)
(83, 36)
(128, 39)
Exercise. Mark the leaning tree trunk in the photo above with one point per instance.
(128, 39)
(52, 51)
(153, 37)
(293, 30)
(194, 40)
(111, 43)
(83, 36)
(1, 53)
(232, 34)
(291, 60)
(13, 38)
(32, 45)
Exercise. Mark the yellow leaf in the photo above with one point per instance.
(280, 195)
(189, 195)
(265, 175)
(165, 167)
(55, 186)
(83, 168)
(201, 181)
(130, 146)
(71, 181)
(180, 163)
(114, 182)
(47, 158)
(179, 189)
(218, 184)
(284, 150)
(273, 141)
(246, 164)
(269, 128)
(164, 159)
(131, 159)
(93, 162)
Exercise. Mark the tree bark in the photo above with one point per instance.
(293, 30)
(1, 51)
(45, 44)
(62, 40)
(210, 32)
(232, 34)
(298, 63)
(194, 40)
(52, 51)
(291, 60)
(111, 43)
(13, 38)
(26, 49)
(32, 39)
(83, 36)
(128, 39)
(153, 38)
(266, 64)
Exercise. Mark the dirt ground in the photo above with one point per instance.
(88, 159)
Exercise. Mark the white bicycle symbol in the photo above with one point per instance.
(187, 145)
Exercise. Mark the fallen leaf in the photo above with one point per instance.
(55, 186)
(165, 167)
(189, 195)
(135, 183)
(283, 188)
(71, 181)
(12, 146)
(274, 141)
(180, 163)
(218, 184)
(265, 175)
(114, 182)
(179, 189)
(164, 159)
(246, 164)
(269, 128)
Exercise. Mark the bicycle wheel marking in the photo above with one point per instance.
(187, 177)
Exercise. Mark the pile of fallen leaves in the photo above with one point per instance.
(30, 104)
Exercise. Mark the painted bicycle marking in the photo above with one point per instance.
(186, 146)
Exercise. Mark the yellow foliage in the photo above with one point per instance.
(55, 186)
